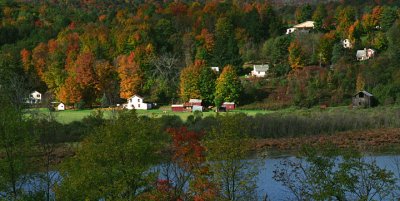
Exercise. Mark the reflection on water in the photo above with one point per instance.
(267, 185)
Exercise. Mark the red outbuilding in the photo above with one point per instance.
(228, 105)
(177, 108)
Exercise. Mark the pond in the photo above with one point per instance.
(265, 182)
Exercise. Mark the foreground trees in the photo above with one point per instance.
(228, 146)
(114, 162)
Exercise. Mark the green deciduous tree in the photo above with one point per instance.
(228, 87)
(303, 13)
(115, 161)
(207, 85)
(388, 17)
(16, 142)
(228, 145)
(190, 81)
(318, 17)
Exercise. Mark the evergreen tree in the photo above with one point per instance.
(226, 50)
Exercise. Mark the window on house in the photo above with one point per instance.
(38, 95)
(138, 105)
(361, 95)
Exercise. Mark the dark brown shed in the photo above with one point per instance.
(363, 99)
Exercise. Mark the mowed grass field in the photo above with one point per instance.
(69, 116)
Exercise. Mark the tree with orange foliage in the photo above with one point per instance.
(345, 17)
(370, 21)
(130, 75)
(70, 93)
(26, 59)
(39, 58)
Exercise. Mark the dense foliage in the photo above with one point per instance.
(88, 53)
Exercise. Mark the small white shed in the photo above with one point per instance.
(61, 107)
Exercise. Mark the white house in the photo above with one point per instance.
(34, 98)
(302, 27)
(365, 54)
(260, 70)
(347, 43)
(136, 102)
(61, 107)
(216, 69)
(290, 30)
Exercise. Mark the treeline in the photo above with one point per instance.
(87, 53)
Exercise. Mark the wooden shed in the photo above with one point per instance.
(228, 105)
(177, 108)
(363, 99)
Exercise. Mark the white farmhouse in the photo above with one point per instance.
(136, 102)
(304, 27)
(34, 98)
(347, 43)
(260, 70)
(365, 54)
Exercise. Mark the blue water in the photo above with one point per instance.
(277, 192)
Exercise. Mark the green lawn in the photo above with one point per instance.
(69, 116)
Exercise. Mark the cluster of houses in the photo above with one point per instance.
(307, 26)
(361, 99)
(137, 102)
(35, 98)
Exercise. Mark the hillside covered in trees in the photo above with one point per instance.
(88, 53)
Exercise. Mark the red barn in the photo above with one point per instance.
(177, 108)
(228, 105)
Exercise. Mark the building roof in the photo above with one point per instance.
(136, 96)
(228, 103)
(177, 105)
(195, 101)
(306, 24)
(364, 92)
(261, 68)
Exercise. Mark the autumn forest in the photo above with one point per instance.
(88, 53)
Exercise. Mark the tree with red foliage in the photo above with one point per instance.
(187, 166)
